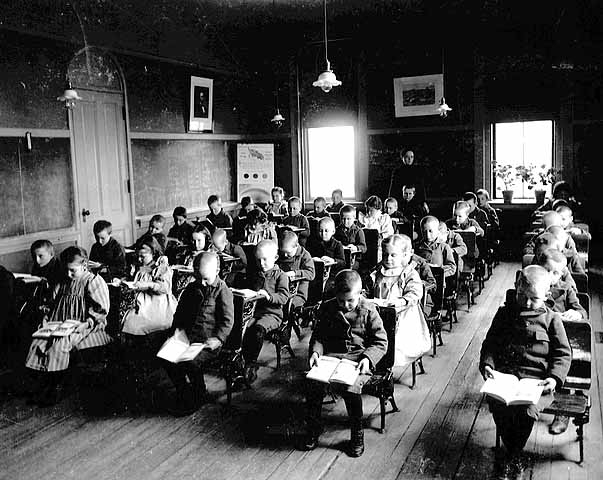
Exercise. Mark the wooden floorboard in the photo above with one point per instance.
(444, 429)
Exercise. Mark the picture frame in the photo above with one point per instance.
(201, 105)
(418, 96)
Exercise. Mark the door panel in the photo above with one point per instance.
(101, 165)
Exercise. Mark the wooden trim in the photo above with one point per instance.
(585, 121)
(35, 132)
(424, 129)
(23, 242)
(206, 136)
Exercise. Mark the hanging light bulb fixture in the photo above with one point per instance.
(278, 119)
(69, 97)
(443, 107)
(327, 79)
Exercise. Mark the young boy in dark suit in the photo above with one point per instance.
(296, 262)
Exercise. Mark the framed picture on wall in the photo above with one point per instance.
(201, 105)
(417, 96)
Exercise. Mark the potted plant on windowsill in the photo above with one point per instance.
(547, 176)
(507, 175)
(528, 176)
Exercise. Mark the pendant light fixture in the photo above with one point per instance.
(69, 97)
(443, 108)
(278, 119)
(327, 79)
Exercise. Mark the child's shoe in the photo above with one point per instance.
(356, 445)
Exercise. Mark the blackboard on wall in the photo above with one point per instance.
(169, 173)
(36, 186)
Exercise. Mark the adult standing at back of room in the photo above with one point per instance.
(407, 173)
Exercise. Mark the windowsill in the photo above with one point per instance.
(516, 203)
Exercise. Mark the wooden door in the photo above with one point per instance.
(101, 165)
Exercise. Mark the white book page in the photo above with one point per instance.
(191, 352)
(502, 386)
(246, 292)
(172, 349)
(528, 392)
(346, 373)
(322, 371)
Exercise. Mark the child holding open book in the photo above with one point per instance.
(205, 315)
(349, 327)
(528, 340)
(82, 297)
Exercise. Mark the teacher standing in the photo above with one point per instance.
(407, 174)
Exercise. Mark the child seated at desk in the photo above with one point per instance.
(433, 249)
(320, 209)
(272, 284)
(561, 191)
(528, 340)
(46, 265)
(297, 263)
(216, 216)
(200, 242)
(347, 326)
(107, 251)
(475, 212)
(258, 228)
(297, 219)
(326, 246)
(567, 246)
(222, 246)
(181, 230)
(156, 224)
(206, 314)
(349, 233)
(395, 279)
(411, 206)
(562, 296)
(391, 208)
(461, 221)
(239, 222)
(336, 201)
(81, 296)
(483, 200)
(375, 219)
(567, 221)
(453, 239)
(152, 284)
(278, 205)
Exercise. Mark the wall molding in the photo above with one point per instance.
(425, 129)
(35, 132)
(206, 136)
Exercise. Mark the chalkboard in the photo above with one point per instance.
(36, 186)
(168, 173)
(445, 156)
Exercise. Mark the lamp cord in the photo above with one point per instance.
(326, 42)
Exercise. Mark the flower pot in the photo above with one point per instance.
(540, 195)
(507, 196)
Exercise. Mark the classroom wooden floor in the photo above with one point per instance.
(443, 429)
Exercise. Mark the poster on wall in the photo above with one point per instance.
(418, 96)
(201, 105)
(255, 170)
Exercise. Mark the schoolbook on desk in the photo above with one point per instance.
(56, 329)
(511, 390)
(334, 370)
(246, 292)
(178, 349)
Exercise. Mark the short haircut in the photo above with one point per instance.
(268, 244)
(294, 200)
(324, 220)
(219, 233)
(47, 244)
(347, 281)
(288, 238)
(374, 202)
(150, 242)
(212, 199)
(320, 199)
(256, 216)
(200, 228)
(461, 205)
(559, 203)
(408, 186)
(204, 256)
(484, 192)
(347, 208)
(179, 212)
(337, 190)
(429, 219)
(545, 239)
(246, 201)
(278, 189)
(533, 275)
(73, 254)
(550, 255)
(102, 225)
(398, 239)
(564, 209)
(551, 218)
(468, 196)
(157, 219)
(558, 232)
(560, 187)
(391, 200)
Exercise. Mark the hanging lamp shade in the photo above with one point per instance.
(327, 79)
(443, 108)
(278, 119)
(69, 97)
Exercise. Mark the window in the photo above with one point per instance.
(522, 144)
(331, 161)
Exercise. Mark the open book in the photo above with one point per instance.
(334, 370)
(381, 302)
(178, 349)
(326, 260)
(246, 292)
(27, 278)
(511, 390)
(56, 329)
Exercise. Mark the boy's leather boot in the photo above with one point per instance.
(356, 445)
